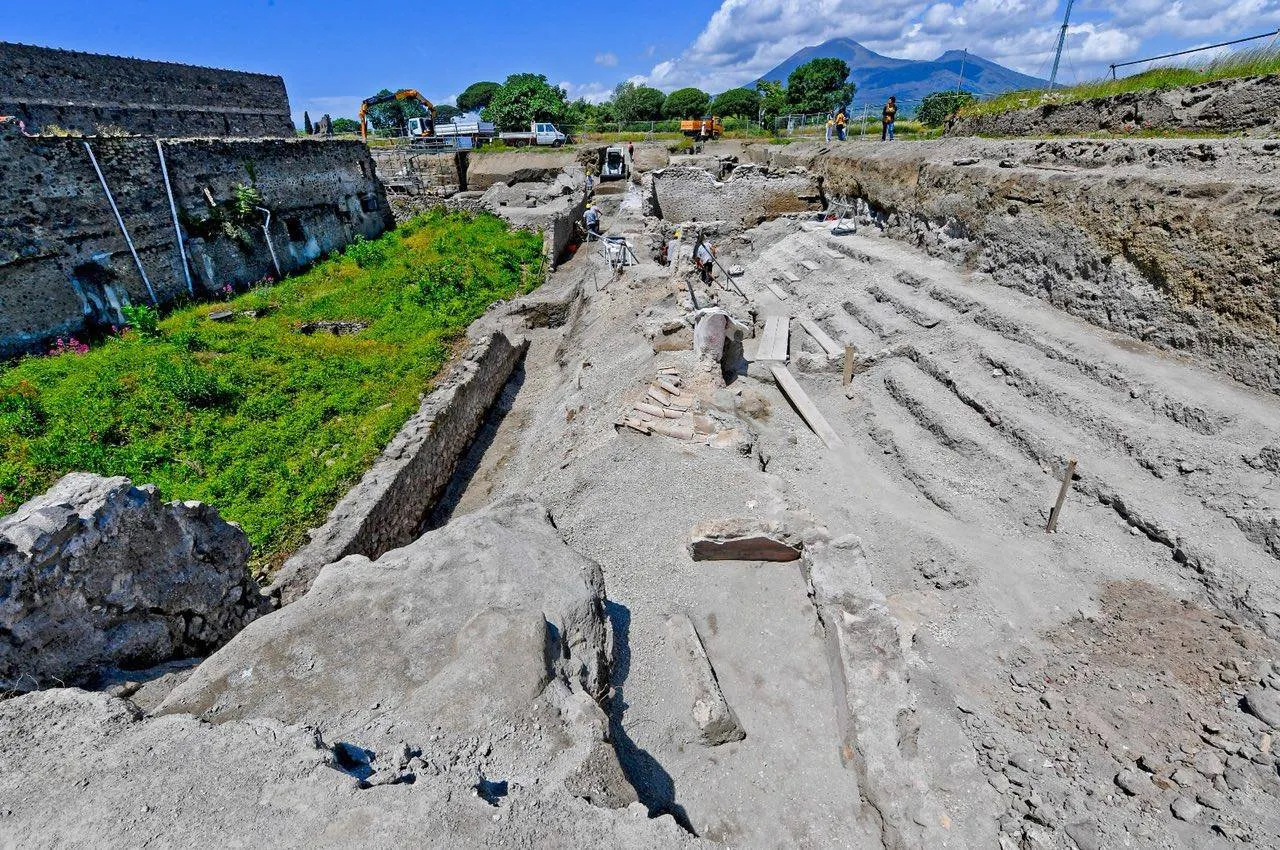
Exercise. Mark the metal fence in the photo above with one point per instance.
(1273, 35)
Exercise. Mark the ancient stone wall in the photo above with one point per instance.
(750, 195)
(1248, 105)
(1170, 242)
(94, 94)
(64, 261)
(389, 505)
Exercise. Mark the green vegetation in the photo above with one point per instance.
(524, 98)
(637, 103)
(937, 107)
(740, 103)
(686, 103)
(819, 85)
(1243, 63)
(255, 415)
(345, 125)
(478, 95)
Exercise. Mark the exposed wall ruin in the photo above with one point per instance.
(1248, 105)
(1171, 243)
(389, 505)
(64, 262)
(91, 94)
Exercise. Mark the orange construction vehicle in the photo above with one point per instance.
(403, 94)
(704, 128)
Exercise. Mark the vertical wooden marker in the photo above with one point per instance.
(848, 364)
(1062, 496)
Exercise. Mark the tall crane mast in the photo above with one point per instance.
(1062, 40)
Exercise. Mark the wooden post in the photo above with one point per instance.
(1062, 497)
(848, 364)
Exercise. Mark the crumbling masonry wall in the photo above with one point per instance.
(90, 94)
(387, 508)
(64, 262)
(1169, 243)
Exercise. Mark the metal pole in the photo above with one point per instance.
(1062, 40)
(1113, 71)
(177, 229)
(120, 221)
(963, 58)
(266, 234)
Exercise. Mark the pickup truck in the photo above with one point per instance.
(539, 133)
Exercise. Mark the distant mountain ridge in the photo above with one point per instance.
(878, 76)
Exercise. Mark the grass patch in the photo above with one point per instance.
(1242, 63)
(267, 423)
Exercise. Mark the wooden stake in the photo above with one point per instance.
(848, 364)
(1062, 497)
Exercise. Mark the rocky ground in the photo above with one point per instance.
(916, 662)
(1106, 685)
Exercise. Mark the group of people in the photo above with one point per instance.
(839, 123)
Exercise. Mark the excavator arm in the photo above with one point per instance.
(403, 94)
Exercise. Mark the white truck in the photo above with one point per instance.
(419, 127)
(539, 133)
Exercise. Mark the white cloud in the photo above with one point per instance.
(591, 92)
(607, 59)
(745, 38)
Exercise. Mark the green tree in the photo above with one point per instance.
(686, 103)
(477, 96)
(345, 125)
(820, 85)
(524, 98)
(743, 103)
(637, 103)
(306, 123)
(773, 99)
(447, 112)
(936, 108)
(395, 114)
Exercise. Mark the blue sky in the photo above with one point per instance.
(334, 52)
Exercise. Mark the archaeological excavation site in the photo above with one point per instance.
(779, 492)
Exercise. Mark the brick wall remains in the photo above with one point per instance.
(64, 262)
(90, 93)
(387, 508)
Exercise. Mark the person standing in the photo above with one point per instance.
(592, 218)
(830, 124)
(887, 118)
(842, 124)
(705, 258)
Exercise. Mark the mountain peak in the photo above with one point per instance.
(877, 76)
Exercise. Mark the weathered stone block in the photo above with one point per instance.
(97, 573)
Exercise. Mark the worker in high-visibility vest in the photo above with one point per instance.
(841, 122)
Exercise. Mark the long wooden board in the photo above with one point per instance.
(774, 341)
(778, 291)
(789, 386)
(829, 345)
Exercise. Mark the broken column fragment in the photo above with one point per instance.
(716, 722)
(743, 539)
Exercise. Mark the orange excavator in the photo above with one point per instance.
(403, 94)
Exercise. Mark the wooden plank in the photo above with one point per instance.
(829, 345)
(1062, 496)
(848, 364)
(808, 411)
(791, 276)
(810, 265)
(773, 342)
(835, 255)
(778, 291)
